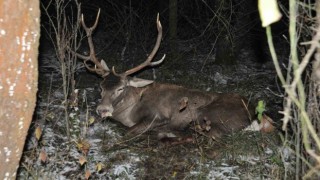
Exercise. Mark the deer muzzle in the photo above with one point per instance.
(104, 111)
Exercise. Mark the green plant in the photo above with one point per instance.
(260, 109)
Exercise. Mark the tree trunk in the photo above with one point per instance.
(19, 40)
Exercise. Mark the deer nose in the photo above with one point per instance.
(104, 111)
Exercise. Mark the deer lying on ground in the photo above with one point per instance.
(144, 105)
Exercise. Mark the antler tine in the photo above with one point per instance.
(98, 68)
(94, 25)
(148, 62)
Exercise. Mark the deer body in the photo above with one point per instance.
(162, 101)
(159, 107)
(144, 105)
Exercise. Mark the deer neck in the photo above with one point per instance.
(124, 105)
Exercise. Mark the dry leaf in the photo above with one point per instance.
(82, 160)
(99, 166)
(183, 103)
(174, 174)
(50, 116)
(38, 132)
(91, 120)
(266, 124)
(88, 174)
(43, 156)
(74, 98)
(197, 127)
(207, 125)
(83, 146)
(263, 145)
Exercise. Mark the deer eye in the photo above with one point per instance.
(120, 89)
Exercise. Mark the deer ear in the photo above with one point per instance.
(104, 65)
(137, 82)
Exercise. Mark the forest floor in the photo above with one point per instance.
(99, 146)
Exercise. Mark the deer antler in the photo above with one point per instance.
(99, 68)
(148, 62)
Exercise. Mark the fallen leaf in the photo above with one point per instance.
(83, 146)
(88, 174)
(91, 120)
(43, 156)
(99, 166)
(197, 127)
(174, 174)
(74, 98)
(50, 116)
(266, 124)
(82, 160)
(38, 132)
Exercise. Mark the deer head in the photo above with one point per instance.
(117, 89)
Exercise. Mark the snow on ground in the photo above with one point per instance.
(252, 157)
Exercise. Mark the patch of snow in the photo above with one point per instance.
(268, 151)
(223, 172)
(220, 79)
(58, 95)
(254, 126)
(65, 170)
(72, 115)
(127, 169)
(286, 153)
(250, 159)
(122, 168)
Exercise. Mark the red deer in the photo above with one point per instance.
(145, 105)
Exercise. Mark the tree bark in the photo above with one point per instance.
(19, 40)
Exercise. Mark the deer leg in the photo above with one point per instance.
(172, 137)
(146, 125)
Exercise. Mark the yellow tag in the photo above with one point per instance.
(269, 12)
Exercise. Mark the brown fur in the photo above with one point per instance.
(168, 108)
